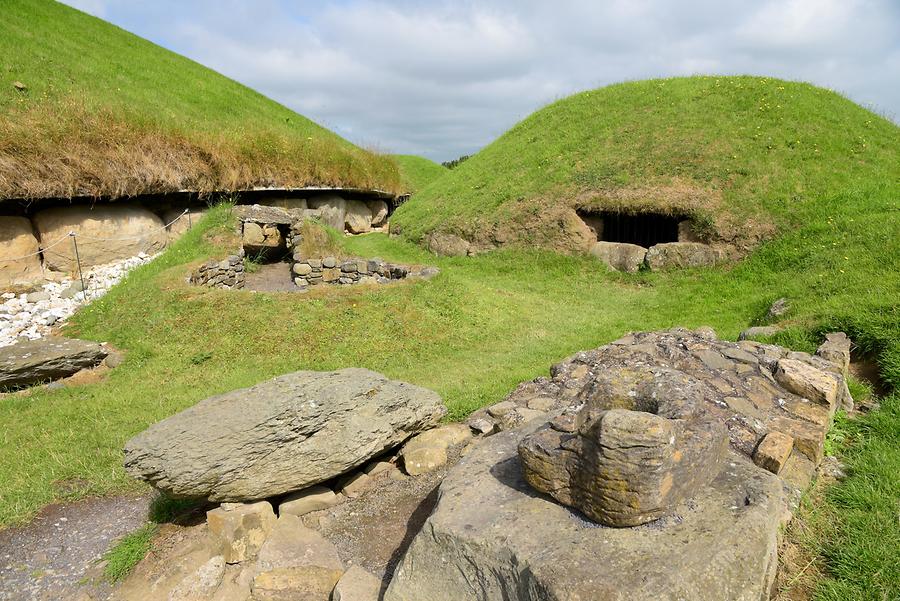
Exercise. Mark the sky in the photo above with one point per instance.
(443, 78)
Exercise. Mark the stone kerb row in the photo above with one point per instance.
(346, 272)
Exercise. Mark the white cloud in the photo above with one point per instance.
(443, 78)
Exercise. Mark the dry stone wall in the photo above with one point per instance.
(227, 273)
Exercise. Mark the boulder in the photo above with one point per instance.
(178, 222)
(379, 210)
(759, 332)
(447, 245)
(257, 236)
(29, 362)
(18, 242)
(357, 217)
(672, 255)
(622, 467)
(105, 233)
(332, 208)
(491, 537)
(237, 531)
(357, 585)
(296, 563)
(282, 435)
(620, 256)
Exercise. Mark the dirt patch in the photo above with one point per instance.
(58, 554)
(270, 277)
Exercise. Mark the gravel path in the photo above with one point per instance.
(57, 555)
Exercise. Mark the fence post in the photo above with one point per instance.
(78, 261)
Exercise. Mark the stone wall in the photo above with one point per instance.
(227, 273)
(346, 272)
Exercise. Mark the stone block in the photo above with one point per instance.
(237, 531)
(357, 585)
(808, 382)
(773, 451)
(620, 256)
(836, 349)
(17, 241)
(314, 498)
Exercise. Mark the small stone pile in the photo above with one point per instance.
(227, 273)
(345, 272)
(31, 315)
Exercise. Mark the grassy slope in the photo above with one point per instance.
(734, 148)
(418, 172)
(108, 112)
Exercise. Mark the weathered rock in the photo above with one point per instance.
(759, 332)
(314, 498)
(773, 451)
(333, 210)
(356, 484)
(237, 531)
(687, 232)
(357, 217)
(357, 585)
(428, 451)
(447, 245)
(29, 362)
(806, 381)
(778, 309)
(624, 467)
(261, 236)
(105, 233)
(202, 583)
(491, 537)
(379, 210)
(672, 255)
(836, 349)
(290, 204)
(18, 242)
(620, 256)
(730, 383)
(296, 563)
(282, 435)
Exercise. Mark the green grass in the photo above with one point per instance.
(849, 531)
(746, 155)
(106, 112)
(126, 553)
(418, 172)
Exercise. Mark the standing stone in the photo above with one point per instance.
(379, 210)
(106, 233)
(282, 435)
(358, 217)
(333, 210)
(237, 531)
(17, 240)
(29, 362)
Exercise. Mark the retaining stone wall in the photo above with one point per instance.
(228, 273)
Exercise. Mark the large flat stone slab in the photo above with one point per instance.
(492, 537)
(31, 362)
(279, 436)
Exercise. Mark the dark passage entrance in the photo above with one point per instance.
(643, 229)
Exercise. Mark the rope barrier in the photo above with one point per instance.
(42, 249)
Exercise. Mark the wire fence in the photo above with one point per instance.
(75, 237)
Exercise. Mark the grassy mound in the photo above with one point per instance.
(745, 156)
(104, 112)
(418, 172)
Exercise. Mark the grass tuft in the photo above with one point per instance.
(128, 552)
